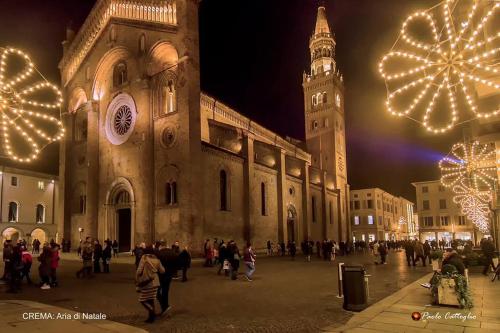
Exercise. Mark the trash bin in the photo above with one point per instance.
(354, 285)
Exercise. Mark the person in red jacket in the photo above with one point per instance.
(54, 264)
(27, 260)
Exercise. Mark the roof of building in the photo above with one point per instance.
(321, 22)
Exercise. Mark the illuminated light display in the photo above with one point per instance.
(449, 63)
(21, 113)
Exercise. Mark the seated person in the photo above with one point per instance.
(450, 257)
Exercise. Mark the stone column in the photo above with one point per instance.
(281, 189)
(339, 215)
(306, 196)
(248, 186)
(92, 205)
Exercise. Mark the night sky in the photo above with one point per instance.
(253, 54)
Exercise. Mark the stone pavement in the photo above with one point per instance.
(285, 296)
(393, 313)
(28, 316)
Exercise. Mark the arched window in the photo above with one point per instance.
(314, 125)
(82, 204)
(13, 212)
(314, 100)
(120, 74)
(171, 193)
(319, 98)
(169, 97)
(40, 213)
(223, 190)
(168, 194)
(174, 192)
(263, 199)
(325, 98)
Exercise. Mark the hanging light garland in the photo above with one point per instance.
(470, 171)
(20, 113)
(450, 63)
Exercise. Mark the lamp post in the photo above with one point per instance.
(80, 230)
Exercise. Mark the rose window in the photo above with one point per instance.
(123, 120)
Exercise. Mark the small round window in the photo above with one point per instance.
(120, 119)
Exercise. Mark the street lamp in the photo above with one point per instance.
(80, 230)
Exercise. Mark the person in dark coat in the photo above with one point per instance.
(106, 256)
(44, 269)
(451, 257)
(184, 262)
(115, 248)
(234, 259)
(168, 259)
(7, 256)
(488, 252)
(410, 253)
(427, 251)
(293, 249)
(15, 269)
(283, 248)
(97, 256)
(382, 250)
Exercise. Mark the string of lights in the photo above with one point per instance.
(449, 63)
(21, 113)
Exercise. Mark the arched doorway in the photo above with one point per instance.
(12, 234)
(123, 221)
(39, 234)
(120, 214)
(291, 223)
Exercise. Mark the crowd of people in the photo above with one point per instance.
(18, 262)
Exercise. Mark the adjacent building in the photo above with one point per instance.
(148, 156)
(378, 215)
(28, 205)
(439, 217)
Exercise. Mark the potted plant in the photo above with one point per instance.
(437, 257)
(450, 288)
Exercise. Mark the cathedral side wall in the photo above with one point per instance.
(221, 224)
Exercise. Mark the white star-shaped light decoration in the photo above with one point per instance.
(472, 164)
(449, 63)
(27, 125)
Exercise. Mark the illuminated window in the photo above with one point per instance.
(13, 211)
(40, 213)
(356, 220)
(120, 74)
(169, 97)
(370, 219)
(41, 185)
(337, 100)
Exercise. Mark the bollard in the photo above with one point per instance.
(340, 295)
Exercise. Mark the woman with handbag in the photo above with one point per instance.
(148, 281)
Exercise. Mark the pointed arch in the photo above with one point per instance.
(77, 98)
(105, 69)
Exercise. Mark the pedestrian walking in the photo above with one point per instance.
(15, 269)
(169, 261)
(292, 250)
(427, 251)
(382, 250)
(419, 252)
(234, 255)
(410, 253)
(249, 259)
(488, 252)
(148, 281)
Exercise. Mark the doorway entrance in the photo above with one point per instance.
(124, 217)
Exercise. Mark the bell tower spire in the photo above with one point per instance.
(322, 44)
